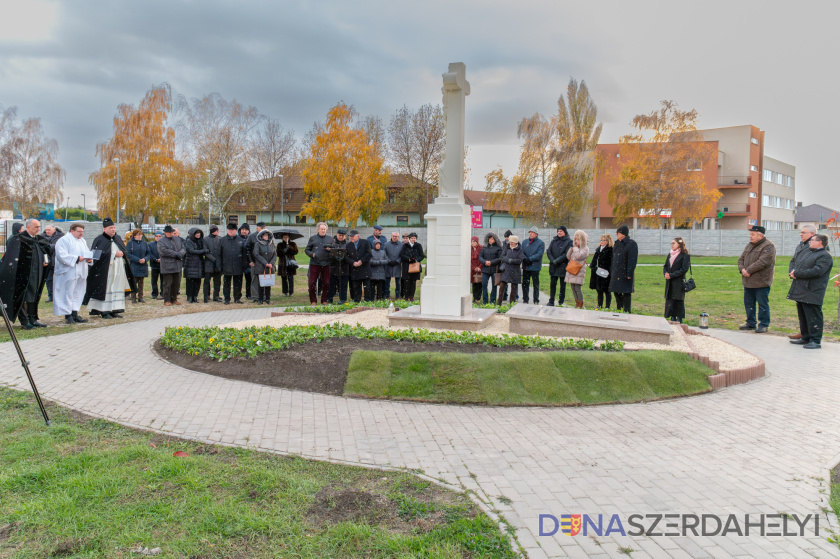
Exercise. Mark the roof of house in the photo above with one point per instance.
(483, 199)
(813, 212)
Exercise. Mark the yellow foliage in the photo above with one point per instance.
(344, 177)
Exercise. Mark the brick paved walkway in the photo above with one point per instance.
(762, 447)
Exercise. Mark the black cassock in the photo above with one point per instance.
(22, 272)
(97, 281)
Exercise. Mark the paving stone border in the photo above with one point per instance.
(354, 310)
(724, 377)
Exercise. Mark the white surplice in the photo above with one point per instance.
(114, 288)
(70, 275)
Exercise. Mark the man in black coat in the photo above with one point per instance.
(339, 268)
(231, 247)
(810, 280)
(51, 234)
(805, 234)
(557, 259)
(244, 233)
(23, 273)
(154, 263)
(358, 257)
(110, 275)
(213, 265)
(623, 272)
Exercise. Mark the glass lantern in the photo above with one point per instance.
(704, 320)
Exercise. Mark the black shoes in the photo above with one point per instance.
(34, 322)
(77, 318)
(811, 345)
(68, 319)
(746, 327)
(227, 302)
(239, 302)
(106, 315)
(800, 341)
(761, 330)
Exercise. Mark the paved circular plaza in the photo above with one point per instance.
(759, 448)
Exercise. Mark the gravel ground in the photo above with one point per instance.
(728, 355)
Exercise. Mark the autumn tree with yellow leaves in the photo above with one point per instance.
(556, 162)
(658, 171)
(152, 180)
(344, 177)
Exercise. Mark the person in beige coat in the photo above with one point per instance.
(578, 254)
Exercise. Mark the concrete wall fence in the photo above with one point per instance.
(721, 242)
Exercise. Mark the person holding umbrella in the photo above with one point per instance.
(286, 264)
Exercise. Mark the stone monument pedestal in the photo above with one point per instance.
(414, 317)
(579, 323)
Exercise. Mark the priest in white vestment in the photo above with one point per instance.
(70, 276)
(109, 276)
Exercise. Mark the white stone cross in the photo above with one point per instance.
(451, 173)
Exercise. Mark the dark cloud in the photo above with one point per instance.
(736, 63)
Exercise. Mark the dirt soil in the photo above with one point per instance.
(312, 367)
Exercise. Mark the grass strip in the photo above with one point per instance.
(90, 488)
(520, 378)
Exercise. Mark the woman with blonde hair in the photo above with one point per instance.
(599, 278)
(576, 268)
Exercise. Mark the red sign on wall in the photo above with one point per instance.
(477, 216)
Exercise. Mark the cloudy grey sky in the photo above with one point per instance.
(768, 63)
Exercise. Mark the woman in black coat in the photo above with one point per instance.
(602, 260)
(676, 267)
(197, 251)
(286, 250)
(512, 274)
(411, 252)
(490, 258)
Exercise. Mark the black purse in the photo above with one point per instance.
(689, 284)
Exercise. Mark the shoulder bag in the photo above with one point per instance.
(414, 268)
(573, 267)
(689, 283)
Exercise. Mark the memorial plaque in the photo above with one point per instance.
(580, 323)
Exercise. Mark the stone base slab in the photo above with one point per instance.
(579, 323)
(473, 319)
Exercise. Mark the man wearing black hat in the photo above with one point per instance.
(756, 265)
(339, 268)
(623, 269)
(231, 247)
(109, 275)
(172, 252)
(557, 260)
(213, 265)
(23, 273)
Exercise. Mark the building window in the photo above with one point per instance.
(754, 168)
(392, 197)
(789, 181)
(402, 219)
(778, 202)
(768, 175)
(241, 199)
(288, 196)
(234, 218)
(753, 222)
(300, 218)
(765, 201)
(753, 195)
(780, 178)
(251, 218)
(754, 140)
(694, 165)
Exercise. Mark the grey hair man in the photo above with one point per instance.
(23, 274)
(805, 234)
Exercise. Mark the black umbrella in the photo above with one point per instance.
(292, 233)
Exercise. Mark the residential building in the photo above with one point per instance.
(813, 214)
(755, 189)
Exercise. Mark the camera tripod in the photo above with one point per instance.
(24, 363)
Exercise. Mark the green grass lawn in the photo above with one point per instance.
(90, 488)
(520, 378)
(719, 292)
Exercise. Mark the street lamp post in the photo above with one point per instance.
(209, 196)
(66, 208)
(282, 203)
(84, 208)
(117, 161)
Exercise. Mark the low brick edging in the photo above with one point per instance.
(725, 377)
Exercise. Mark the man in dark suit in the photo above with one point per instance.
(358, 257)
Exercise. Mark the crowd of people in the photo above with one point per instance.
(113, 270)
